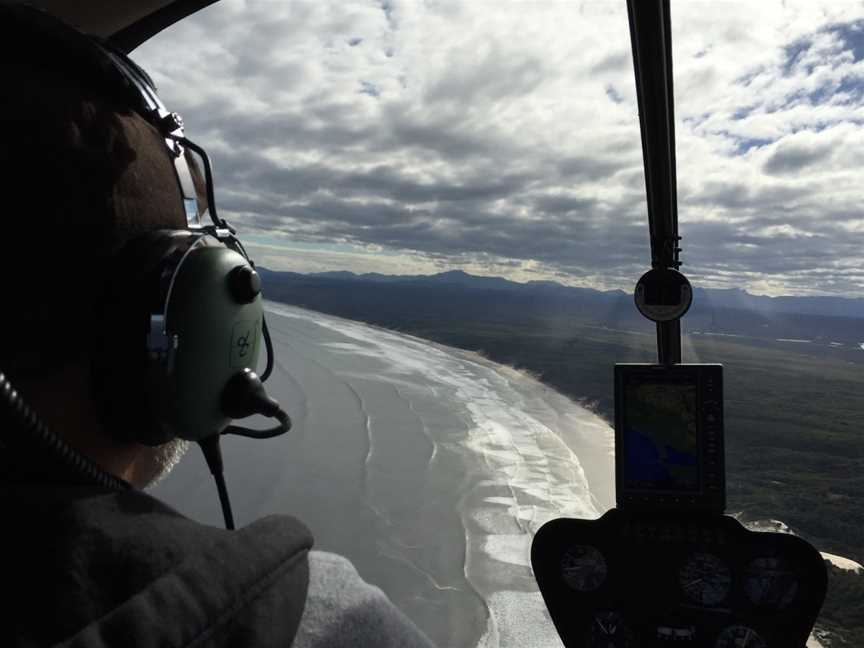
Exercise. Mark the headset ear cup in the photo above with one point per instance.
(216, 312)
(182, 316)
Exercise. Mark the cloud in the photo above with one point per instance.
(506, 136)
(789, 158)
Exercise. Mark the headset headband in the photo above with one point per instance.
(169, 124)
(22, 27)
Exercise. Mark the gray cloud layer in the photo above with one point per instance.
(509, 135)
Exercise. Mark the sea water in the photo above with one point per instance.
(429, 467)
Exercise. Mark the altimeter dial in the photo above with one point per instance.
(583, 568)
(705, 579)
(739, 636)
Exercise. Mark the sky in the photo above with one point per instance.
(502, 138)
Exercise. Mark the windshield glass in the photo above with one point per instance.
(446, 202)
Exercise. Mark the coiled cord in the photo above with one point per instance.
(16, 414)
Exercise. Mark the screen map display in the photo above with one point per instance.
(661, 435)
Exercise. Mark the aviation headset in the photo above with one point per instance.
(200, 303)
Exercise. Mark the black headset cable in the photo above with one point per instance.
(213, 457)
(24, 418)
(268, 345)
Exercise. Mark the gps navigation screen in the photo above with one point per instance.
(661, 442)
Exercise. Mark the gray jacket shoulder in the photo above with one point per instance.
(343, 610)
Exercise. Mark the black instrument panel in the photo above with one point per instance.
(634, 580)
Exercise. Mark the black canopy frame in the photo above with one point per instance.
(125, 24)
(651, 39)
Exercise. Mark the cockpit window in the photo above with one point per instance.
(446, 203)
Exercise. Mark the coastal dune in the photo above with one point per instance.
(429, 467)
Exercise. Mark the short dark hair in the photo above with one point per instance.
(81, 174)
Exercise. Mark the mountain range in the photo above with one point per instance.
(735, 298)
(407, 300)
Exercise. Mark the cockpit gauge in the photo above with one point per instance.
(608, 630)
(739, 636)
(770, 582)
(583, 568)
(705, 579)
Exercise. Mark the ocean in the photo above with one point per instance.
(429, 467)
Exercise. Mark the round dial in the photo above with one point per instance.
(739, 636)
(770, 582)
(608, 630)
(705, 579)
(583, 568)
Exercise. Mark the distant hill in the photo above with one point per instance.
(742, 300)
(406, 301)
(734, 298)
(461, 278)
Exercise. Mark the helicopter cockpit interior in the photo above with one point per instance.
(667, 566)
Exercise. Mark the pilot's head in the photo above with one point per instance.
(81, 175)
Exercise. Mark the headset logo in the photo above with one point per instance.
(244, 343)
